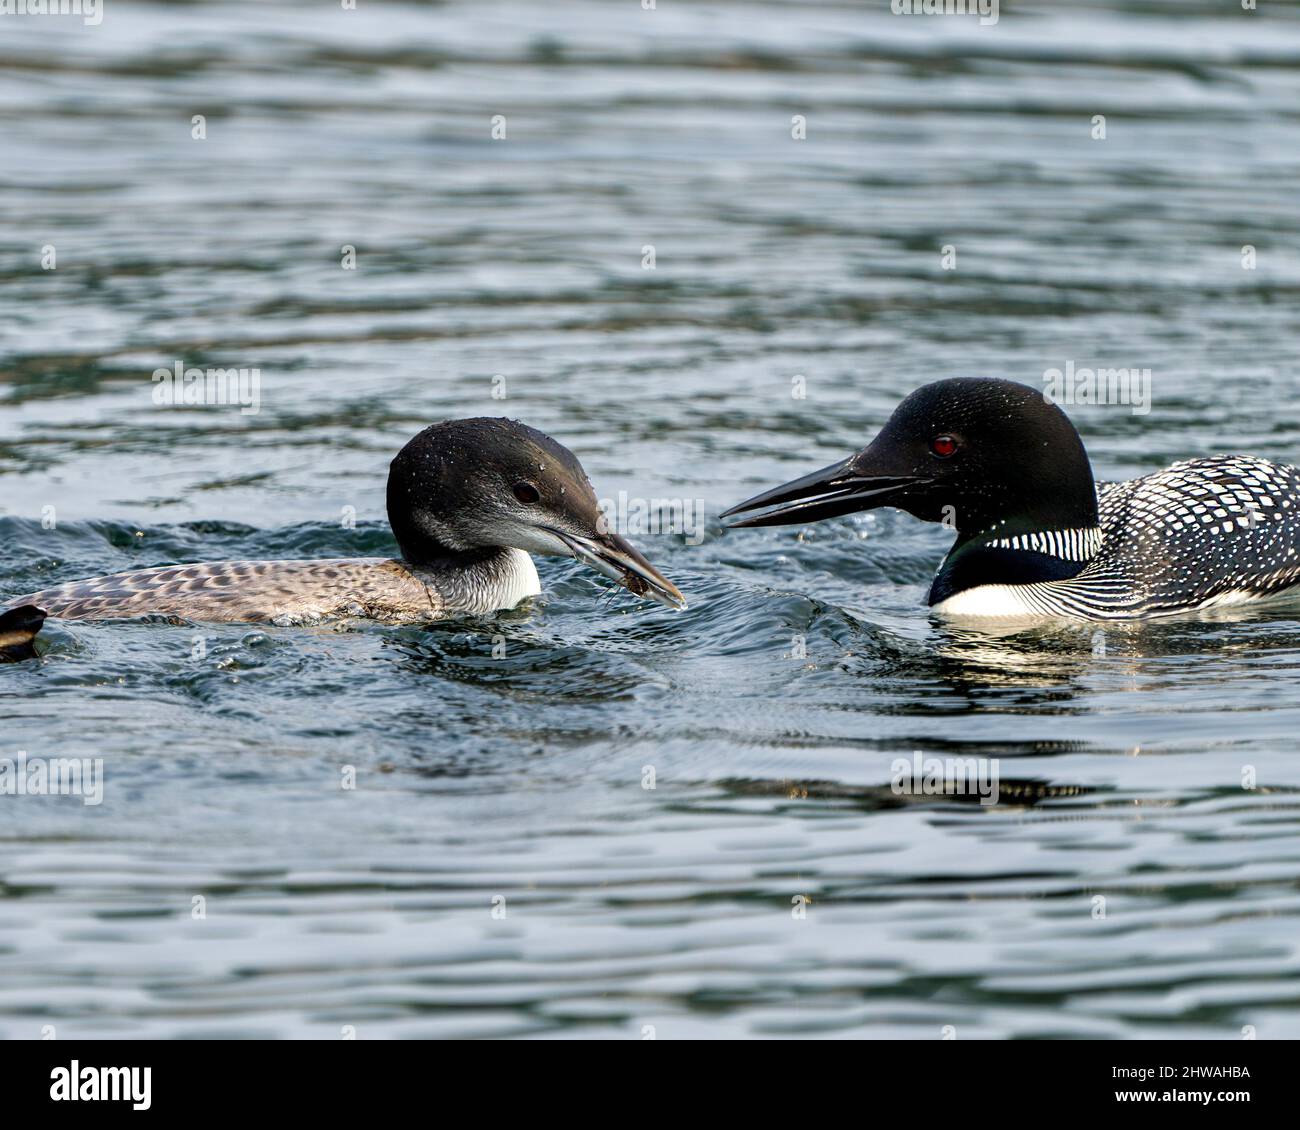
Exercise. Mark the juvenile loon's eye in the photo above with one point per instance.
(943, 446)
(526, 493)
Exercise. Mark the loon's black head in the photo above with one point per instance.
(464, 489)
(978, 454)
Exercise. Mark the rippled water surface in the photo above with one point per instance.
(769, 713)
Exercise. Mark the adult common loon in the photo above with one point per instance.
(468, 501)
(1036, 537)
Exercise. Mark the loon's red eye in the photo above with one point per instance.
(943, 446)
(526, 493)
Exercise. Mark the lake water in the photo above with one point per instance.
(500, 868)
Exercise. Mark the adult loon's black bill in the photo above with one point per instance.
(842, 488)
(1002, 466)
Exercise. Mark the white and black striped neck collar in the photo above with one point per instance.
(1081, 544)
(998, 557)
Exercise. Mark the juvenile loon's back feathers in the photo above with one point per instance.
(294, 591)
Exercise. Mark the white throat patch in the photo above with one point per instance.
(515, 582)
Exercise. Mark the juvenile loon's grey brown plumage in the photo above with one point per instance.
(1005, 468)
(251, 591)
(468, 501)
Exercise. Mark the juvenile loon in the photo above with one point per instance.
(1036, 536)
(468, 501)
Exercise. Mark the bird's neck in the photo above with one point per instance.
(1016, 553)
(495, 582)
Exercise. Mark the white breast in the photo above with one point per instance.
(1000, 601)
(516, 581)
